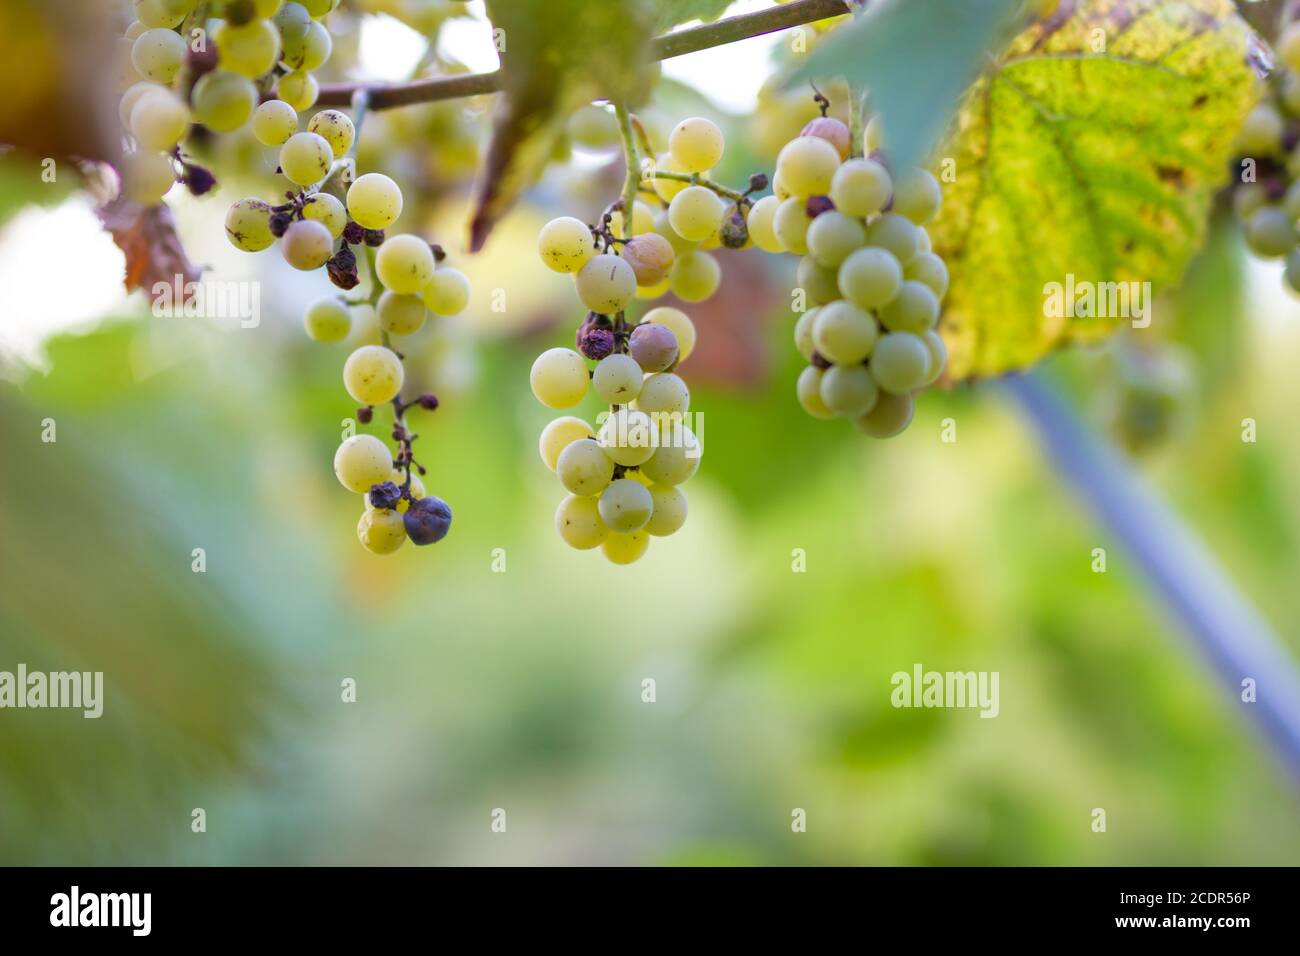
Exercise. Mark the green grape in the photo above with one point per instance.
(298, 89)
(274, 122)
(1291, 202)
(308, 52)
(695, 276)
(381, 530)
(808, 389)
(803, 333)
(1291, 274)
(696, 144)
(559, 435)
(938, 355)
(373, 375)
(1288, 47)
(447, 292)
(335, 127)
(778, 187)
(806, 165)
(676, 459)
(134, 29)
(900, 362)
(223, 101)
(668, 512)
(559, 378)
(666, 189)
(889, 417)
(897, 235)
(166, 14)
(374, 201)
(305, 158)
(577, 520)
(248, 225)
(625, 506)
(328, 211)
(873, 137)
(818, 283)
(159, 120)
(677, 322)
(870, 278)
(266, 9)
(328, 319)
(400, 314)
(844, 334)
(664, 393)
(861, 187)
(147, 177)
(791, 221)
(628, 436)
(362, 461)
(606, 284)
(832, 236)
(915, 309)
(848, 390)
(594, 127)
(625, 548)
(1290, 92)
(931, 271)
(923, 244)
(695, 213)
(584, 468)
(404, 264)
(292, 20)
(318, 8)
(1261, 131)
(1269, 232)
(917, 196)
(617, 379)
(250, 50)
(158, 55)
(663, 227)
(307, 245)
(132, 96)
(566, 244)
(761, 224)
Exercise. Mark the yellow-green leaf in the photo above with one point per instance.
(1091, 149)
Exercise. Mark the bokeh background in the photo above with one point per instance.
(480, 689)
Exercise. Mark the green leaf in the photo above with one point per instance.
(556, 55)
(915, 60)
(1093, 148)
(672, 13)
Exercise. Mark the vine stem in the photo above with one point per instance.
(632, 181)
(696, 180)
(1235, 640)
(680, 43)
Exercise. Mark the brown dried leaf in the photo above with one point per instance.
(147, 237)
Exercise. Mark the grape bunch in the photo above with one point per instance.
(867, 270)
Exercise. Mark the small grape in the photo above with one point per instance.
(328, 319)
(566, 244)
(808, 389)
(643, 220)
(668, 512)
(159, 119)
(1288, 47)
(427, 520)
(318, 8)
(806, 165)
(1270, 233)
(404, 264)
(938, 355)
(696, 144)
(897, 235)
(662, 227)
(593, 126)
(779, 189)
(760, 223)
(617, 379)
(1261, 131)
(362, 461)
(625, 506)
(873, 137)
(803, 329)
(160, 13)
(791, 222)
(861, 187)
(870, 278)
(844, 334)
(900, 362)
(930, 270)
(625, 548)
(305, 158)
(606, 284)
(132, 96)
(559, 435)
(148, 177)
(400, 314)
(307, 245)
(915, 309)
(373, 375)
(381, 531)
(274, 122)
(250, 50)
(923, 244)
(1248, 197)
(248, 225)
(917, 196)
(298, 89)
(374, 201)
(559, 378)
(134, 29)
(832, 130)
(335, 127)
(666, 189)
(158, 55)
(266, 8)
(653, 346)
(223, 101)
(695, 213)
(664, 393)
(292, 20)
(447, 292)
(832, 236)
(308, 52)
(651, 257)
(584, 468)
(848, 390)
(889, 417)
(328, 211)
(629, 437)
(818, 283)
(695, 276)
(676, 459)
(577, 520)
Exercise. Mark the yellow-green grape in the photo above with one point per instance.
(318, 8)
(298, 89)
(677, 322)
(861, 187)
(695, 276)
(161, 13)
(292, 21)
(606, 284)
(791, 221)
(617, 379)
(328, 211)
(559, 378)
(625, 505)
(566, 244)
(328, 319)
(929, 269)
(404, 264)
(889, 417)
(158, 55)
(134, 29)
(656, 291)
(915, 309)
(159, 120)
(844, 334)
(900, 362)
(373, 375)
(584, 468)
(917, 196)
(1288, 47)
(251, 49)
(761, 222)
(778, 187)
(248, 225)
(381, 530)
(669, 511)
(559, 435)
(594, 127)
(696, 144)
(223, 101)
(147, 177)
(695, 213)
(447, 292)
(832, 236)
(938, 355)
(1290, 92)
(923, 244)
(643, 220)
(1270, 233)
(897, 235)
(666, 189)
(308, 52)
(664, 393)
(274, 122)
(1290, 201)
(400, 314)
(305, 158)
(336, 128)
(629, 437)
(374, 201)
(873, 137)
(663, 227)
(266, 8)
(870, 277)
(808, 389)
(806, 165)
(676, 459)
(1261, 131)
(625, 548)
(577, 520)
(1291, 271)
(132, 96)
(848, 390)
(818, 283)
(307, 245)
(362, 461)
(651, 257)
(803, 333)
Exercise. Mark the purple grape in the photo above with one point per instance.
(653, 346)
(595, 342)
(427, 520)
(386, 494)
